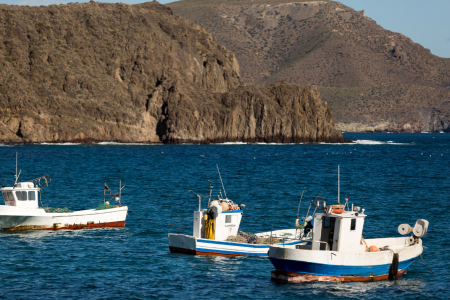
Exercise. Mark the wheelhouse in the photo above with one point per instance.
(24, 194)
(338, 232)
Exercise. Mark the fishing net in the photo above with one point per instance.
(104, 206)
(250, 238)
(49, 209)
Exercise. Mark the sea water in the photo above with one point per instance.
(396, 178)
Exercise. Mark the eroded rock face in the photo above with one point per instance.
(136, 73)
(436, 119)
(281, 113)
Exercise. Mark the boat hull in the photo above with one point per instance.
(37, 219)
(180, 243)
(295, 271)
(297, 265)
(292, 277)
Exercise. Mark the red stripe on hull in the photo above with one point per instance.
(70, 227)
(293, 277)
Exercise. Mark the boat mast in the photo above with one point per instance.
(339, 186)
(222, 182)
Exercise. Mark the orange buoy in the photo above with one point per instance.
(373, 249)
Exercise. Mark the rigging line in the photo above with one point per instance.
(141, 216)
(425, 264)
(298, 211)
(221, 182)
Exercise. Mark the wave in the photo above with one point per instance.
(124, 144)
(59, 144)
(261, 143)
(232, 143)
(370, 142)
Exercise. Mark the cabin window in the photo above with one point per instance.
(228, 219)
(353, 224)
(326, 222)
(8, 196)
(31, 195)
(22, 196)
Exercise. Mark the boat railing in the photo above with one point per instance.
(327, 247)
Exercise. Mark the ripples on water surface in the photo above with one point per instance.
(397, 178)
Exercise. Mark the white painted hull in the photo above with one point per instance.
(303, 265)
(181, 243)
(18, 219)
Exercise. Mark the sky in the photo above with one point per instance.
(424, 22)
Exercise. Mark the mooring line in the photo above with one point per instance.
(425, 263)
(142, 216)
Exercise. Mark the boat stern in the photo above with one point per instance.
(181, 243)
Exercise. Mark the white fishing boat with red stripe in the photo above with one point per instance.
(22, 211)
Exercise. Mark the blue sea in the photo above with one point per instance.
(396, 178)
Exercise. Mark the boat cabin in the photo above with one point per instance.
(24, 195)
(338, 231)
(226, 224)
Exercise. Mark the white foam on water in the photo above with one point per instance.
(370, 142)
(232, 143)
(124, 144)
(366, 142)
(60, 144)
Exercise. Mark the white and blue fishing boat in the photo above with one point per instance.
(216, 232)
(339, 253)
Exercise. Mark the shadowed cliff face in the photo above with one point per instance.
(137, 73)
(280, 113)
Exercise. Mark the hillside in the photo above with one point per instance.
(137, 73)
(372, 78)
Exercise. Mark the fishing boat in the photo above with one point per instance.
(338, 252)
(22, 211)
(216, 232)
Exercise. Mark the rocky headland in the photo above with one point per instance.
(373, 79)
(90, 72)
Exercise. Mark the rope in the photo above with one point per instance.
(141, 216)
(425, 264)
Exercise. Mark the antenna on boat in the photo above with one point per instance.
(222, 182)
(300, 202)
(16, 175)
(339, 186)
(210, 192)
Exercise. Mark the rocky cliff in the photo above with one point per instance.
(373, 79)
(137, 73)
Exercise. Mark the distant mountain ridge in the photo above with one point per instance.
(92, 72)
(372, 78)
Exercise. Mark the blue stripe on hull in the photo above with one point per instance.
(234, 252)
(335, 270)
(248, 245)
